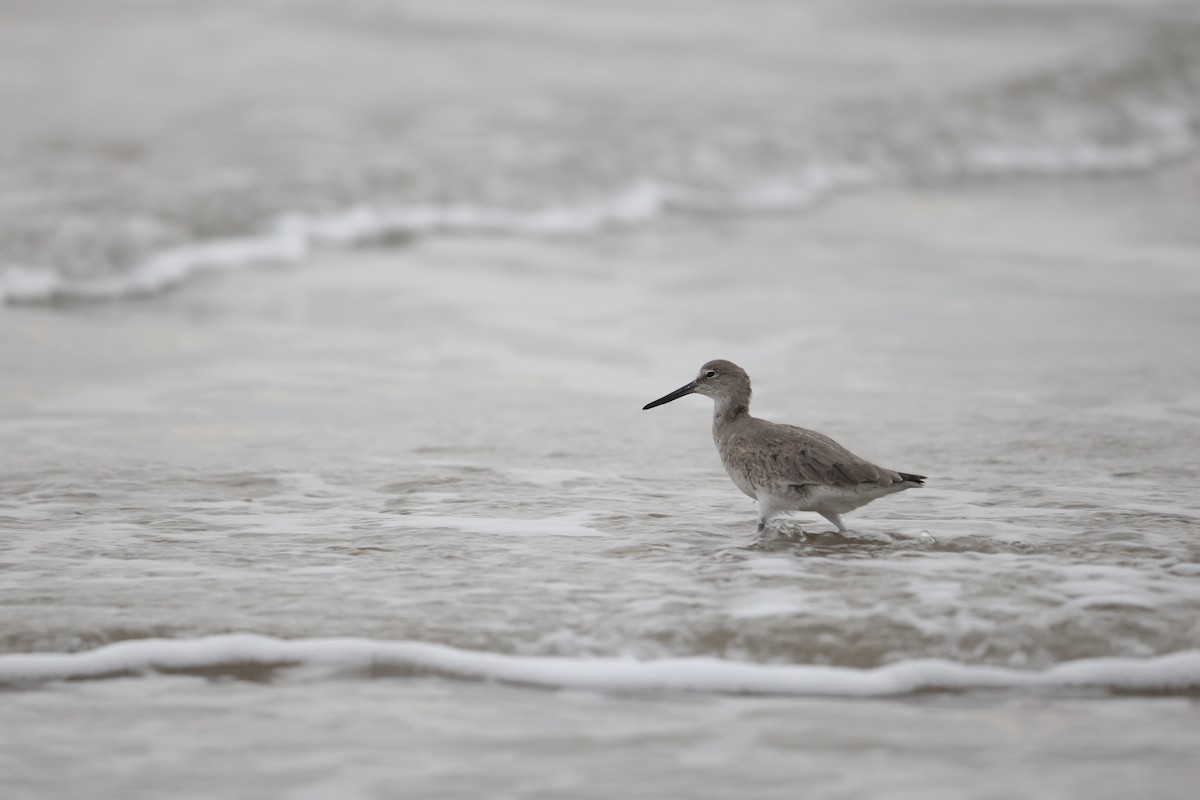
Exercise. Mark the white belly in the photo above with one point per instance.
(836, 499)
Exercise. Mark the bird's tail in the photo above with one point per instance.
(908, 477)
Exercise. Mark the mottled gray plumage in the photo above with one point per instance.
(783, 467)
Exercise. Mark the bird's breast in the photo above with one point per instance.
(741, 479)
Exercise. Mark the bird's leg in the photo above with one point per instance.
(764, 521)
(767, 533)
(765, 512)
(835, 518)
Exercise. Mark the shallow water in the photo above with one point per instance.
(400, 446)
(383, 517)
(429, 739)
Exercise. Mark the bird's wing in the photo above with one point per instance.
(770, 454)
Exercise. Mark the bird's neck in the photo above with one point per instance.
(726, 414)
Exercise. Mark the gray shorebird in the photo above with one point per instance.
(783, 467)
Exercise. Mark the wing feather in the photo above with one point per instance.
(771, 454)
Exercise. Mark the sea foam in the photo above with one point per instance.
(1173, 673)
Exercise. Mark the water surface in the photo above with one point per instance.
(322, 464)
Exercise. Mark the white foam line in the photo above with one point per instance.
(1173, 672)
(564, 525)
(640, 202)
(293, 236)
(161, 271)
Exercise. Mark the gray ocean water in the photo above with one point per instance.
(325, 330)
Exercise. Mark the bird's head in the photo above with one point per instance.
(725, 382)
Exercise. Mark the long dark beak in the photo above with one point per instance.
(675, 395)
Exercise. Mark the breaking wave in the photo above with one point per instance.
(294, 235)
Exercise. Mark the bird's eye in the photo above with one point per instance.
(710, 374)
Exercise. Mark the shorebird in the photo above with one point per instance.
(783, 467)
